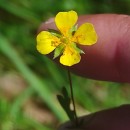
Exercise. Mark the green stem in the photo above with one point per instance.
(72, 97)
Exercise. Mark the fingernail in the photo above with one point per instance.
(51, 20)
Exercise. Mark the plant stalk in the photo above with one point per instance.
(72, 97)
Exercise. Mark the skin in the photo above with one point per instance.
(109, 60)
(111, 119)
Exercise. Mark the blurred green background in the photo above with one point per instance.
(29, 81)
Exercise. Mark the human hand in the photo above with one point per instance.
(112, 119)
(109, 58)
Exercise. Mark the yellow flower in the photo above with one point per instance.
(65, 41)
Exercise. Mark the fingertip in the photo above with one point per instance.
(49, 24)
(69, 125)
(68, 128)
(103, 61)
(49, 21)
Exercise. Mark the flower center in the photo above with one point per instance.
(55, 42)
(65, 40)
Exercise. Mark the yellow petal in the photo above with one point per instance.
(46, 42)
(70, 57)
(85, 35)
(65, 20)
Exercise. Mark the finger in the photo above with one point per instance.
(112, 119)
(109, 58)
(82, 123)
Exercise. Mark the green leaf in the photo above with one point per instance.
(58, 51)
(73, 29)
(65, 102)
(77, 48)
(55, 32)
